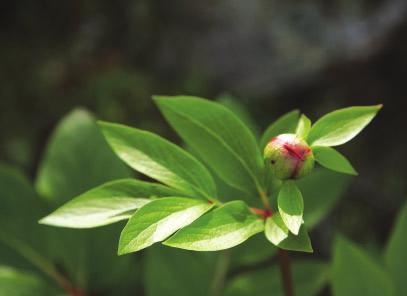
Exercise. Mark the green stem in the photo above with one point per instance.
(264, 199)
(283, 256)
(221, 269)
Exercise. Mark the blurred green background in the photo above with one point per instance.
(272, 56)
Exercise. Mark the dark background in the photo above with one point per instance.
(274, 56)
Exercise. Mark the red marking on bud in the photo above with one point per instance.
(299, 154)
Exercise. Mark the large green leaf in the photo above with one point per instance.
(309, 277)
(321, 190)
(160, 159)
(219, 137)
(355, 274)
(333, 160)
(278, 234)
(340, 126)
(14, 282)
(174, 272)
(396, 255)
(285, 124)
(77, 159)
(106, 204)
(159, 219)
(291, 206)
(229, 225)
(76, 149)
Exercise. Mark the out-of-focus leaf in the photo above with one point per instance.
(278, 234)
(341, 126)
(285, 124)
(19, 211)
(291, 206)
(303, 127)
(173, 272)
(396, 255)
(243, 255)
(355, 274)
(159, 219)
(333, 160)
(225, 227)
(14, 282)
(219, 137)
(106, 204)
(321, 190)
(160, 159)
(77, 159)
(309, 277)
(240, 111)
(76, 149)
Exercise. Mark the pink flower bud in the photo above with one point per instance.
(289, 157)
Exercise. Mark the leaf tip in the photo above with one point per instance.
(354, 173)
(158, 98)
(167, 243)
(101, 124)
(123, 250)
(43, 221)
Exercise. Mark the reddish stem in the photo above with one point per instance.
(285, 268)
(263, 213)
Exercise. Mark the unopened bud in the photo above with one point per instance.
(289, 157)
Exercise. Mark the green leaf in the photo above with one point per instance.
(174, 272)
(333, 160)
(303, 127)
(16, 282)
(285, 124)
(226, 227)
(160, 159)
(321, 190)
(291, 206)
(76, 149)
(77, 159)
(22, 240)
(219, 137)
(106, 204)
(340, 126)
(159, 219)
(355, 274)
(309, 277)
(243, 255)
(277, 233)
(395, 253)
(240, 110)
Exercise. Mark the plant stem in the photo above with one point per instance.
(42, 264)
(221, 270)
(264, 199)
(283, 257)
(285, 269)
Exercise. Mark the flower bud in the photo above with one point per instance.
(289, 157)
